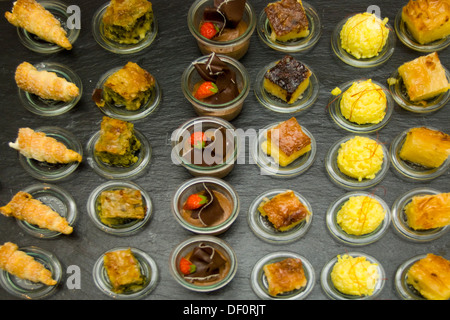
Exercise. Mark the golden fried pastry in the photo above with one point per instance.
(287, 19)
(45, 84)
(285, 276)
(431, 277)
(24, 207)
(40, 147)
(429, 211)
(24, 266)
(117, 206)
(33, 17)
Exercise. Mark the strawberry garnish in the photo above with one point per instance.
(208, 30)
(198, 140)
(187, 267)
(195, 201)
(205, 90)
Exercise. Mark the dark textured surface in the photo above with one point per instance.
(166, 59)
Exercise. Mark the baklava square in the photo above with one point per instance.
(285, 276)
(287, 19)
(121, 205)
(428, 211)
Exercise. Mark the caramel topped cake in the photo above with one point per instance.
(288, 20)
(119, 206)
(285, 276)
(429, 211)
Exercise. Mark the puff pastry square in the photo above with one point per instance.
(285, 276)
(429, 211)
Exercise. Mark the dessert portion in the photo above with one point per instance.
(123, 271)
(285, 276)
(38, 146)
(364, 35)
(427, 20)
(287, 80)
(127, 21)
(428, 211)
(130, 87)
(24, 266)
(287, 19)
(286, 142)
(424, 77)
(430, 276)
(355, 276)
(45, 84)
(117, 144)
(24, 207)
(121, 206)
(426, 147)
(284, 211)
(34, 18)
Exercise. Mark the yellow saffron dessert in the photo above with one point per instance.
(354, 276)
(428, 211)
(360, 158)
(360, 215)
(364, 35)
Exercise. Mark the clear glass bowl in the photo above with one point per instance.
(260, 284)
(30, 290)
(128, 228)
(114, 47)
(187, 246)
(227, 111)
(236, 48)
(149, 270)
(297, 45)
(264, 230)
(400, 221)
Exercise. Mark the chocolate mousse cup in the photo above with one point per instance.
(229, 45)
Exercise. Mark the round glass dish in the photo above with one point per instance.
(148, 268)
(53, 172)
(196, 185)
(260, 284)
(334, 107)
(357, 240)
(116, 172)
(411, 170)
(29, 290)
(264, 230)
(400, 221)
(273, 103)
(349, 59)
(333, 293)
(63, 14)
(120, 112)
(48, 107)
(408, 40)
(236, 48)
(297, 45)
(345, 181)
(400, 95)
(115, 47)
(268, 165)
(130, 227)
(227, 111)
(185, 247)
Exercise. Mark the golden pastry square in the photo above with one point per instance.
(428, 211)
(285, 276)
(122, 204)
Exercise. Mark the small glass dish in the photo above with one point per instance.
(260, 284)
(305, 101)
(185, 247)
(62, 13)
(236, 48)
(333, 293)
(119, 111)
(268, 166)
(148, 267)
(298, 45)
(29, 290)
(345, 181)
(48, 107)
(213, 184)
(400, 95)
(227, 111)
(53, 172)
(334, 107)
(400, 221)
(264, 230)
(132, 226)
(116, 172)
(114, 47)
(357, 240)
(382, 57)
(408, 40)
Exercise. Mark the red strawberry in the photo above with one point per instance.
(208, 30)
(187, 267)
(195, 201)
(205, 90)
(198, 140)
